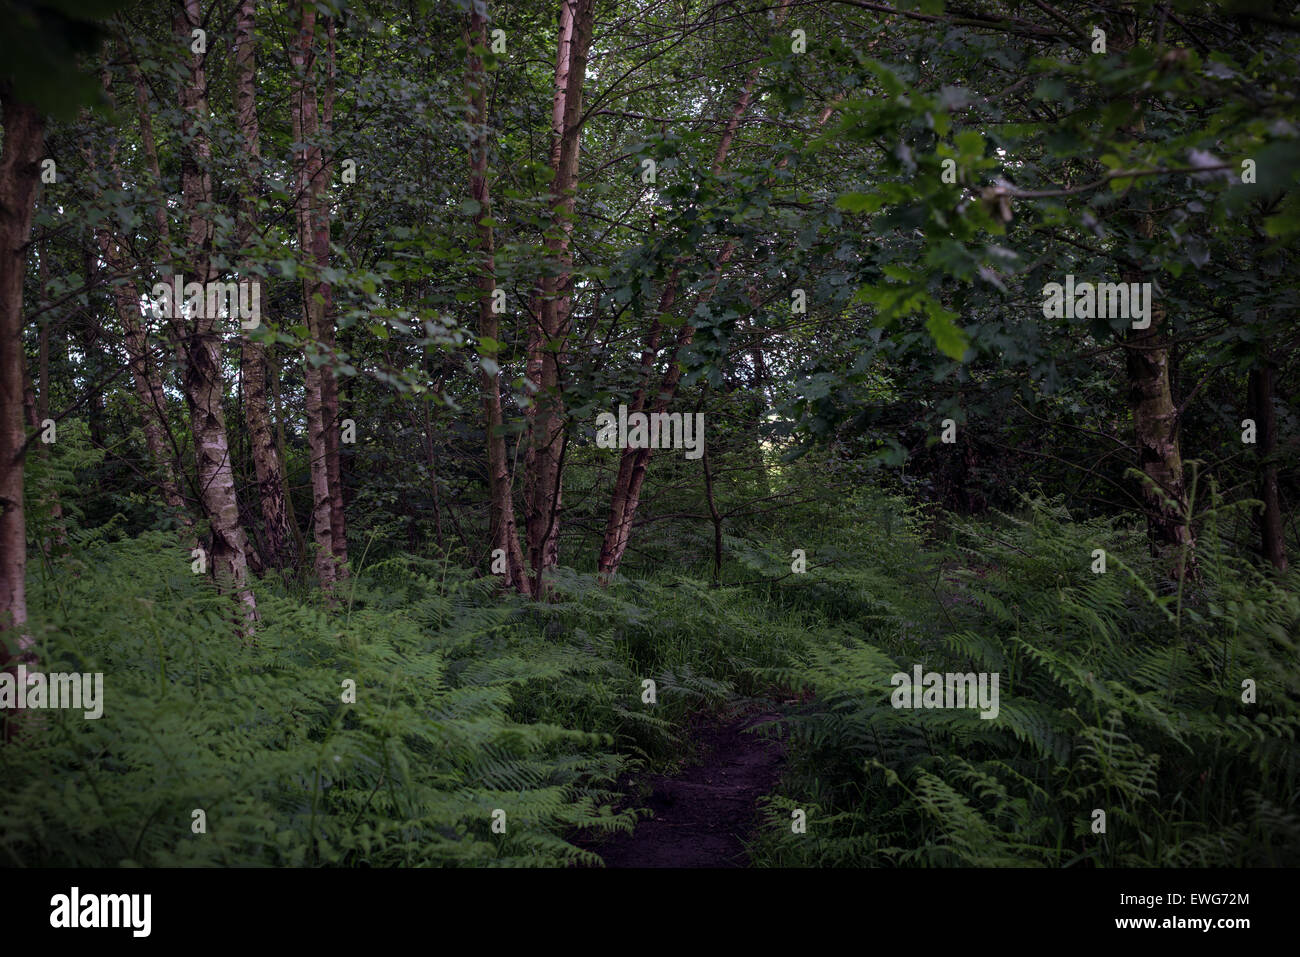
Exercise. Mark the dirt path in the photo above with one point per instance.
(703, 816)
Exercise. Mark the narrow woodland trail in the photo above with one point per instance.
(703, 816)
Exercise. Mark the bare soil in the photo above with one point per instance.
(704, 816)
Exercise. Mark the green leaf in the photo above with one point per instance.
(860, 202)
(969, 143)
(948, 336)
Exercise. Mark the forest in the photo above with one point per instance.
(656, 433)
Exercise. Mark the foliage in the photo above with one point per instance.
(456, 714)
(1113, 696)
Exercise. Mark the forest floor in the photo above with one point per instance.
(704, 815)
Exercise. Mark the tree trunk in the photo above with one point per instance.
(503, 534)
(204, 386)
(329, 382)
(24, 137)
(547, 439)
(277, 534)
(165, 256)
(148, 387)
(150, 146)
(1155, 426)
(277, 409)
(1155, 417)
(626, 495)
(88, 337)
(304, 130)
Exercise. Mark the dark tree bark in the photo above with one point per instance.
(321, 251)
(305, 129)
(503, 535)
(277, 534)
(24, 137)
(1150, 396)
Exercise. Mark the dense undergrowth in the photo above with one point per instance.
(1117, 694)
(466, 704)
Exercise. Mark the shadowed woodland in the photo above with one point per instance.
(312, 317)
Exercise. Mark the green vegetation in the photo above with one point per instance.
(1113, 696)
(987, 311)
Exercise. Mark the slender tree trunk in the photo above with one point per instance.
(618, 525)
(714, 514)
(149, 144)
(266, 458)
(1155, 426)
(165, 255)
(43, 357)
(148, 387)
(757, 405)
(89, 338)
(533, 378)
(503, 534)
(547, 439)
(633, 463)
(24, 137)
(640, 458)
(277, 409)
(1155, 417)
(204, 385)
(253, 359)
(322, 177)
(304, 130)
(32, 416)
(1272, 541)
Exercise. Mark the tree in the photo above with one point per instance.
(503, 534)
(276, 527)
(24, 133)
(314, 243)
(204, 382)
